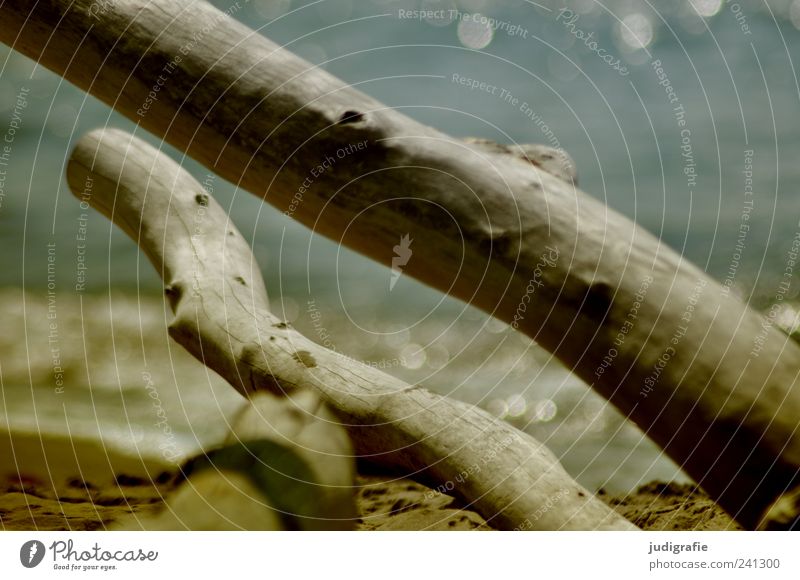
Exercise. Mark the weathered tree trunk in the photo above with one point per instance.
(222, 318)
(708, 379)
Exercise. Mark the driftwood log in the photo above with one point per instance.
(286, 465)
(222, 318)
(708, 379)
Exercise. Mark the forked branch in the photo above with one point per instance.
(222, 318)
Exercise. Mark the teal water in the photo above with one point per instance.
(678, 168)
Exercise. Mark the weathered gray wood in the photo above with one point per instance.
(222, 318)
(703, 375)
(236, 490)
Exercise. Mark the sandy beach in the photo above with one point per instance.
(96, 418)
(59, 484)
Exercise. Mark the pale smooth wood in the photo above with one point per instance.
(222, 318)
(724, 406)
(224, 494)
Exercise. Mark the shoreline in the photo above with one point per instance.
(55, 483)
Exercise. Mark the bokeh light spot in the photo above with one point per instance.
(706, 8)
(635, 31)
(475, 31)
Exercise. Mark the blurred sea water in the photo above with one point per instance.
(556, 70)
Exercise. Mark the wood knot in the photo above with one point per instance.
(305, 358)
(173, 292)
(598, 300)
(496, 242)
(349, 117)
